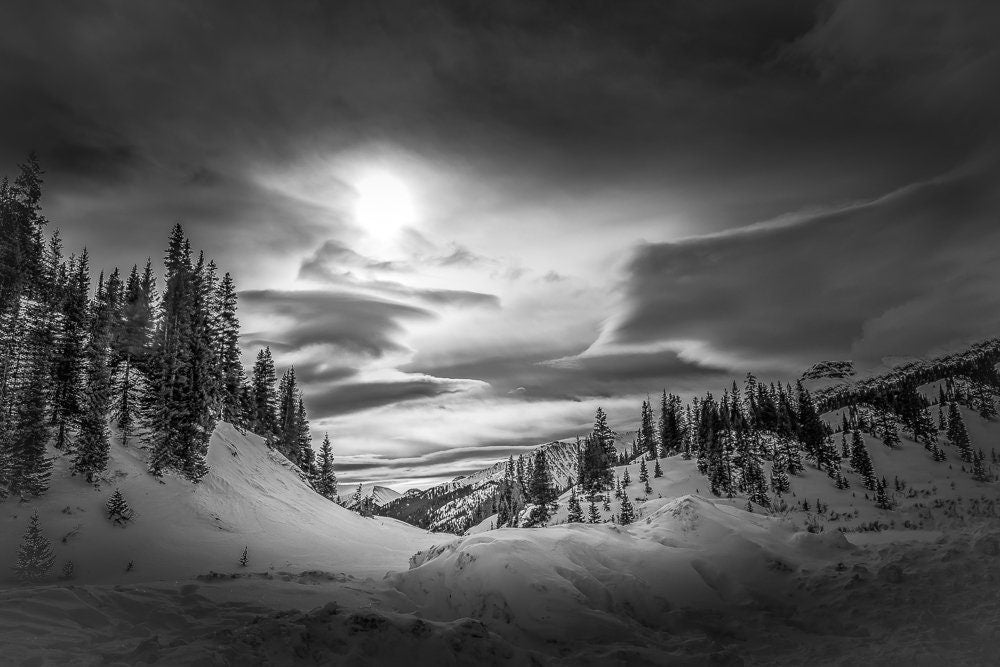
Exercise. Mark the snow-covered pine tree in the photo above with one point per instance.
(244, 557)
(541, 491)
(177, 405)
(358, 499)
(779, 473)
(626, 480)
(93, 443)
(232, 375)
(303, 440)
(68, 356)
(627, 514)
(647, 433)
(643, 472)
(979, 468)
(288, 428)
(265, 419)
(812, 430)
(657, 470)
(326, 479)
(958, 436)
(890, 432)
(861, 461)
(881, 495)
(131, 347)
(593, 514)
(605, 436)
(28, 466)
(35, 556)
(575, 511)
(118, 510)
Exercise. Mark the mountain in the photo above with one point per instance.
(461, 503)
(380, 495)
(252, 497)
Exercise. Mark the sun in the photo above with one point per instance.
(384, 204)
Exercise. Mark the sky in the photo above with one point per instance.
(466, 225)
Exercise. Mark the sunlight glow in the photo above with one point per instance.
(384, 204)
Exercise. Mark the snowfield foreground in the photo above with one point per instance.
(693, 581)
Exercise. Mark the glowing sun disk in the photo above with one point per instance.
(384, 203)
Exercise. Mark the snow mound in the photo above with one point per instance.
(614, 582)
(252, 497)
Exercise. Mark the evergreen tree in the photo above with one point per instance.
(358, 500)
(35, 556)
(228, 352)
(937, 454)
(265, 419)
(812, 431)
(510, 500)
(596, 469)
(593, 514)
(657, 470)
(118, 510)
(575, 511)
(326, 479)
(93, 443)
(244, 559)
(28, 468)
(840, 481)
(131, 347)
(178, 403)
(643, 472)
(978, 468)
(627, 514)
(881, 496)
(541, 492)
(890, 433)
(957, 435)
(647, 435)
(670, 424)
(626, 480)
(779, 474)
(67, 362)
(861, 461)
(605, 436)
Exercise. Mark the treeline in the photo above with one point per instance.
(162, 367)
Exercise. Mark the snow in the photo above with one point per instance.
(695, 580)
(252, 496)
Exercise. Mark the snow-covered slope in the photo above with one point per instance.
(252, 496)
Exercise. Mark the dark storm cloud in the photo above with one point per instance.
(731, 110)
(536, 376)
(349, 322)
(346, 398)
(914, 271)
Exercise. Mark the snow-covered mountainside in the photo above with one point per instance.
(380, 495)
(455, 506)
(829, 369)
(252, 497)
